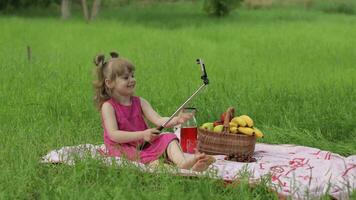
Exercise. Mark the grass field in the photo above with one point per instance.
(293, 71)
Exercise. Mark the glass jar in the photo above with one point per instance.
(188, 132)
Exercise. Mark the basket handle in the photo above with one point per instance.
(229, 113)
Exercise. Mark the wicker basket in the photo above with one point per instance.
(237, 147)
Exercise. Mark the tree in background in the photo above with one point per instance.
(94, 10)
(220, 7)
(212, 7)
(66, 5)
(65, 9)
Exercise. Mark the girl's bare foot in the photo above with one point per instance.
(200, 162)
(203, 164)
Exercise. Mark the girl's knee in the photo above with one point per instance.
(169, 136)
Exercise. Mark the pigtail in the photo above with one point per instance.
(109, 69)
(101, 91)
(99, 60)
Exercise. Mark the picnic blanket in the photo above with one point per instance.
(297, 172)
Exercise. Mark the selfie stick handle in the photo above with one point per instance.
(205, 79)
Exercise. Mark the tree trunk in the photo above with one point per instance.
(65, 9)
(95, 9)
(85, 10)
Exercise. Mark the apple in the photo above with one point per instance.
(216, 123)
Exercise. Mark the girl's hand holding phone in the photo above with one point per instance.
(149, 135)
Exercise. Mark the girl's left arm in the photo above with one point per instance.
(154, 117)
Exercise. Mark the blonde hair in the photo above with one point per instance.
(110, 69)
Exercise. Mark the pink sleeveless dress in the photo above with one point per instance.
(130, 118)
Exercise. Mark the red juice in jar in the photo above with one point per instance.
(188, 132)
(188, 139)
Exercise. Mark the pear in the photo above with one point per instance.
(218, 128)
(208, 126)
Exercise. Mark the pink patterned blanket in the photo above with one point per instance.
(298, 172)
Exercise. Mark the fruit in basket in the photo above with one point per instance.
(223, 115)
(232, 124)
(258, 132)
(248, 120)
(218, 128)
(239, 121)
(246, 130)
(208, 126)
(233, 129)
(216, 123)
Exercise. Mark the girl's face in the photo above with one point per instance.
(124, 85)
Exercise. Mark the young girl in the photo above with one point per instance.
(125, 129)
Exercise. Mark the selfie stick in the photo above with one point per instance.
(205, 79)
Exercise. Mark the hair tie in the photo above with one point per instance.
(114, 55)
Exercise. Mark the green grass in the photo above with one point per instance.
(292, 71)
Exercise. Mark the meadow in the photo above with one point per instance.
(292, 70)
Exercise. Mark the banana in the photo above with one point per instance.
(246, 130)
(239, 121)
(258, 132)
(232, 124)
(248, 120)
(233, 129)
